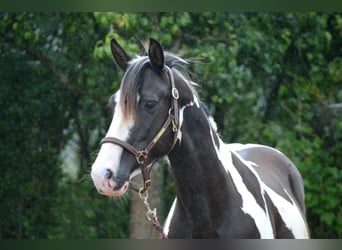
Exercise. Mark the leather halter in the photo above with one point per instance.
(141, 156)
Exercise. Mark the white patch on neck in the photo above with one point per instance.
(181, 116)
(288, 211)
(249, 203)
(196, 102)
(167, 222)
(213, 123)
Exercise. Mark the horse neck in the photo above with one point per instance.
(201, 181)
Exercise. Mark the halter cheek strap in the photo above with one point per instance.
(141, 156)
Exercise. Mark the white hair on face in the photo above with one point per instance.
(110, 154)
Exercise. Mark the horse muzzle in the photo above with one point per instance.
(107, 184)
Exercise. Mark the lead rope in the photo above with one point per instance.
(152, 214)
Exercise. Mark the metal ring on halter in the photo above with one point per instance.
(175, 93)
(170, 111)
(140, 157)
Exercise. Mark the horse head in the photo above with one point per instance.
(144, 124)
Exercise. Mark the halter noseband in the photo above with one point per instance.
(141, 156)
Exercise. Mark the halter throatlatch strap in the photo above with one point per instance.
(141, 156)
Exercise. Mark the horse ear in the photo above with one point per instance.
(156, 55)
(120, 56)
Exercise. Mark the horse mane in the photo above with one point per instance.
(132, 79)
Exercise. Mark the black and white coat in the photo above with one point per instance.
(223, 190)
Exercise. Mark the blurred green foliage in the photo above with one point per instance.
(269, 78)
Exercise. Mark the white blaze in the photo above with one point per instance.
(110, 154)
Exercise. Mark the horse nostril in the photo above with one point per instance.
(108, 173)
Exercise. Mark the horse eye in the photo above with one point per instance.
(149, 105)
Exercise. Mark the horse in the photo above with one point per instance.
(222, 190)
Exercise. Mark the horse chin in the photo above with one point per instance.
(115, 192)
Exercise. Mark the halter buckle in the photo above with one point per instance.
(174, 126)
(140, 157)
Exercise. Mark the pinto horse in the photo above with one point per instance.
(223, 190)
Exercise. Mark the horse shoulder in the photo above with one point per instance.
(275, 169)
(282, 183)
